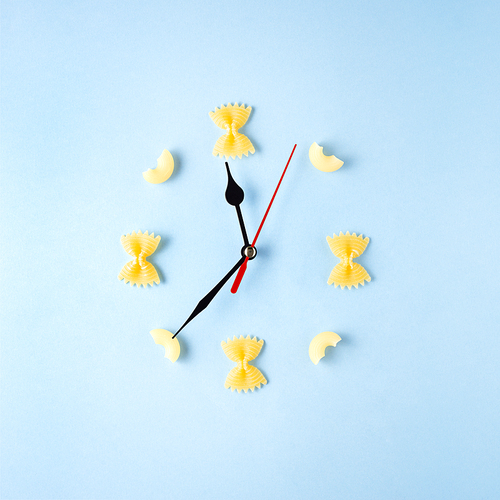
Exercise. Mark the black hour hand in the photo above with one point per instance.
(235, 196)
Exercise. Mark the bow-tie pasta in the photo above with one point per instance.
(347, 247)
(231, 118)
(241, 351)
(138, 271)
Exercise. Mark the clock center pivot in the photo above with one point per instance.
(249, 251)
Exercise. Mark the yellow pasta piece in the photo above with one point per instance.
(138, 271)
(319, 344)
(163, 170)
(241, 351)
(168, 341)
(321, 161)
(232, 118)
(347, 247)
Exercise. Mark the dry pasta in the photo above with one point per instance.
(319, 344)
(241, 351)
(232, 143)
(347, 272)
(168, 341)
(139, 271)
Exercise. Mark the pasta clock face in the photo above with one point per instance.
(140, 246)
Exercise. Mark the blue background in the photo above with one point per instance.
(406, 406)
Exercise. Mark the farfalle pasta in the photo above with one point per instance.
(347, 247)
(241, 351)
(232, 143)
(138, 271)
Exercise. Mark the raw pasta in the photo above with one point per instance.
(322, 161)
(138, 271)
(347, 247)
(170, 343)
(319, 344)
(164, 169)
(232, 143)
(241, 351)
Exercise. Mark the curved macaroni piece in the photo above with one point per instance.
(321, 161)
(163, 170)
(241, 351)
(347, 247)
(171, 345)
(320, 343)
(138, 271)
(232, 144)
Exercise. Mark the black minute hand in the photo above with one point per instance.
(203, 303)
(235, 196)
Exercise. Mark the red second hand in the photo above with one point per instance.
(243, 267)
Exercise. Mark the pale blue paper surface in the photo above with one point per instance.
(406, 406)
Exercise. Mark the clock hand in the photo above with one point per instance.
(243, 267)
(203, 303)
(235, 196)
